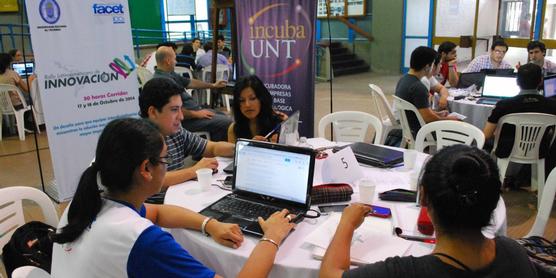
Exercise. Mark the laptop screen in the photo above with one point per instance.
(23, 69)
(500, 87)
(550, 86)
(282, 172)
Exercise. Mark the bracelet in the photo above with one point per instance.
(204, 225)
(271, 241)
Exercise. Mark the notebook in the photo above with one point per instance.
(24, 69)
(498, 87)
(550, 86)
(267, 177)
(376, 156)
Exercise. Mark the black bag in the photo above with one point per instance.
(542, 253)
(30, 245)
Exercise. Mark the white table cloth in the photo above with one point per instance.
(477, 114)
(294, 258)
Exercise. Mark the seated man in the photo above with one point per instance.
(160, 102)
(537, 51)
(411, 89)
(198, 51)
(149, 62)
(494, 60)
(433, 86)
(448, 70)
(529, 77)
(222, 48)
(206, 59)
(196, 118)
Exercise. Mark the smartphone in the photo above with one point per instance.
(228, 181)
(332, 208)
(381, 212)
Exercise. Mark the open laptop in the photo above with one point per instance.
(498, 87)
(499, 72)
(550, 86)
(469, 78)
(267, 178)
(24, 69)
(374, 155)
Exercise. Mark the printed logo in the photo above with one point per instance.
(122, 68)
(49, 11)
(114, 10)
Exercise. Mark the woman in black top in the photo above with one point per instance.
(254, 117)
(460, 187)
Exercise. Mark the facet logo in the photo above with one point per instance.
(49, 11)
(108, 9)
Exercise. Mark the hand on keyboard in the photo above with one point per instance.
(278, 225)
(224, 233)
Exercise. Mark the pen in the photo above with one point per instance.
(398, 231)
(272, 131)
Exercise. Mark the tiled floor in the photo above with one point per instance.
(18, 161)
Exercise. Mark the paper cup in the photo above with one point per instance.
(366, 190)
(204, 177)
(409, 157)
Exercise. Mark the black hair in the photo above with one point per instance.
(13, 52)
(187, 49)
(5, 61)
(529, 76)
(266, 120)
(421, 57)
(157, 92)
(195, 39)
(462, 186)
(446, 47)
(437, 59)
(207, 46)
(536, 44)
(499, 42)
(220, 38)
(170, 44)
(122, 146)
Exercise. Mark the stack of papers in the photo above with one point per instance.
(373, 241)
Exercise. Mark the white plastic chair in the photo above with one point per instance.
(351, 126)
(37, 102)
(403, 107)
(529, 131)
(181, 70)
(29, 271)
(384, 110)
(450, 133)
(7, 108)
(11, 209)
(545, 207)
(144, 75)
(222, 73)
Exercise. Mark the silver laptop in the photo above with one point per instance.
(267, 178)
(496, 88)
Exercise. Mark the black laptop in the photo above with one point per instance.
(24, 69)
(267, 178)
(469, 78)
(549, 87)
(374, 155)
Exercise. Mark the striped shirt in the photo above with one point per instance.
(181, 145)
(484, 62)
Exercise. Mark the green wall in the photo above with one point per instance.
(386, 49)
(146, 14)
(14, 18)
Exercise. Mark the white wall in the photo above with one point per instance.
(454, 18)
(488, 17)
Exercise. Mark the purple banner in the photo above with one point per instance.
(277, 43)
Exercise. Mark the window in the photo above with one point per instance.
(549, 28)
(516, 18)
(180, 17)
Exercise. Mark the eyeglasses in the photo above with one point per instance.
(164, 160)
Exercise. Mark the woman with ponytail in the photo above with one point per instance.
(107, 231)
(460, 187)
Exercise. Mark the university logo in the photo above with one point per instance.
(114, 10)
(49, 11)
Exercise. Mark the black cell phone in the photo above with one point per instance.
(228, 181)
(332, 208)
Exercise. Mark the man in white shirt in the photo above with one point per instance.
(493, 60)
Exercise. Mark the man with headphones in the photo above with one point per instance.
(410, 88)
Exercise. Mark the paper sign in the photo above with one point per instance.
(341, 167)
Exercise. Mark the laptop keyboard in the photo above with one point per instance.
(244, 209)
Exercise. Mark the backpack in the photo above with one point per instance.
(542, 253)
(30, 245)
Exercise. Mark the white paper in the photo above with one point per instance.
(341, 167)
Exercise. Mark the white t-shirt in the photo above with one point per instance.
(429, 82)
